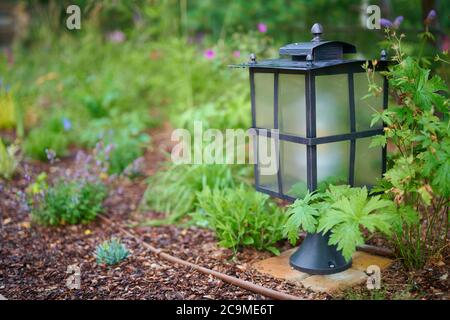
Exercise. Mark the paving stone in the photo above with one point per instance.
(279, 267)
(361, 260)
(2, 297)
(335, 282)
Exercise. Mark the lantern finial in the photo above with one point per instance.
(383, 55)
(309, 60)
(317, 31)
(252, 58)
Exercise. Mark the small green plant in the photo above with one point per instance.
(67, 202)
(344, 212)
(174, 191)
(111, 252)
(126, 149)
(39, 186)
(51, 135)
(8, 160)
(241, 217)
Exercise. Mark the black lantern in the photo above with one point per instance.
(313, 96)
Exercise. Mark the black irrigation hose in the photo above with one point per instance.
(273, 294)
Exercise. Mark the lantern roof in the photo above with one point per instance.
(317, 53)
(319, 50)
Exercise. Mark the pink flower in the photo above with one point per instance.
(209, 54)
(237, 54)
(445, 44)
(262, 27)
(116, 36)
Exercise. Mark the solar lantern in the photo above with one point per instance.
(308, 105)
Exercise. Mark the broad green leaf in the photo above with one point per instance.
(346, 236)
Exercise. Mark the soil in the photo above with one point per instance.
(34, 259)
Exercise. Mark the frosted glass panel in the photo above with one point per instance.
(293, 169)
(332, 106)
(365, 108)
(368, 163)
(333, 162)
(291, 104)
(267, 164)
(264, 108)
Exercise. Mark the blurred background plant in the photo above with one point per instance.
(174, 191)
(9, 160)
(149, 60)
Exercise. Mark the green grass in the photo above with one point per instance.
(174, 190)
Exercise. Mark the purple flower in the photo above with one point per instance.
(262, 27)
(385, 23)
(237, 54)
(398, 21)
(116, 36)
(430, 17)
(209, 54)
(67, 124)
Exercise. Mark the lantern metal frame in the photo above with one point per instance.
(311, 140)
(312, 59)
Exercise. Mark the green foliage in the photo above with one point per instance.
(126, 149)
(123, 133)
(71, 202)
(39, 186)
(192, 87)
(7, 109)
(174, 191)
(49, 136)
(241, 217)
(111, 252)
(418, 179)
(380, 294)
(97, 84)
(343, 212)
(8, 160)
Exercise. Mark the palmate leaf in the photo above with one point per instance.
(442, 178)
(350, 213)
(380, 221)
(346, 236)
(302, 215)
(329, 220)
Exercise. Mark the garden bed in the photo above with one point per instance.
(34, 259)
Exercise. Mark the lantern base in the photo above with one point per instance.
(315, 256)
